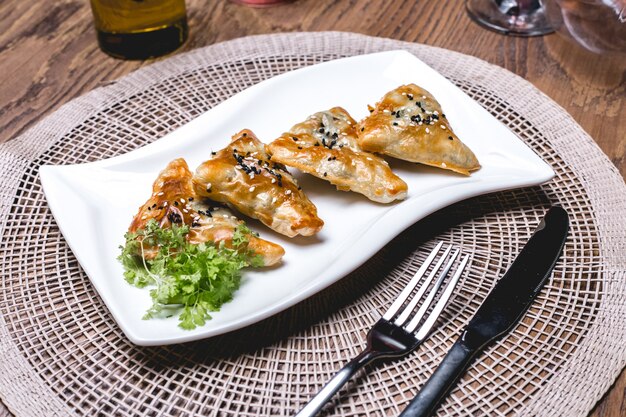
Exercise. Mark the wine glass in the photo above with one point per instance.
(597, 25)
(511, 17)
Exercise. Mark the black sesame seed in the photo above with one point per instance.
(316, 144)
(175, 217)
(321, 130)
(325, 174)
(244, 134)
(175, 203)
(299, 147)
(362, 129)
(190, 198)
(450, 137)
(410, 96)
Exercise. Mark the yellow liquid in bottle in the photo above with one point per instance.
(140, 29)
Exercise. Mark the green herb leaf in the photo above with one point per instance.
(189, 279)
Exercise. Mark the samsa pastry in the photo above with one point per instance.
(174, 201)
(409, 124)
(245, 177)
(325, 145)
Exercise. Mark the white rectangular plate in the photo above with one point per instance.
(94, 203)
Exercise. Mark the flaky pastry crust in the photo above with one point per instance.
(174, 201)
(409, 124)
(325, 145)
(244, 176)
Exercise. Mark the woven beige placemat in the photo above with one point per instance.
(62, 354)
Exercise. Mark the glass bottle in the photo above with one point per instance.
(139, 29)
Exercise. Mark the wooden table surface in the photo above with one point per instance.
(49, 55)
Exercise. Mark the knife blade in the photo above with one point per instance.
(499, 313)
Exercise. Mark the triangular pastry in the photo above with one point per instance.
(245, 177)
(409, 124)
(174, 201)
(325, 145)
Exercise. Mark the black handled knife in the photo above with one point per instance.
(501, 310)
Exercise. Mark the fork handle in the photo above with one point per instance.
(341, 377)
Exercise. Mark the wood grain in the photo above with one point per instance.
(49, 55)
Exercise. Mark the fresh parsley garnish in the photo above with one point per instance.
(192, 280)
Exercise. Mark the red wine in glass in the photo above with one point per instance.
(510, 17)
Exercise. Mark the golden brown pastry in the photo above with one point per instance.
(174, 201)
(409, 124)
(325, 145)
(244, 176)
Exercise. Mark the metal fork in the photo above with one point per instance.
(394, 335)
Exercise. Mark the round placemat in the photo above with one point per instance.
(61, 353)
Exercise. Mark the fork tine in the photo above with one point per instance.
(431, 296)
(395, 306)
(404, 315)
(434, 314)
